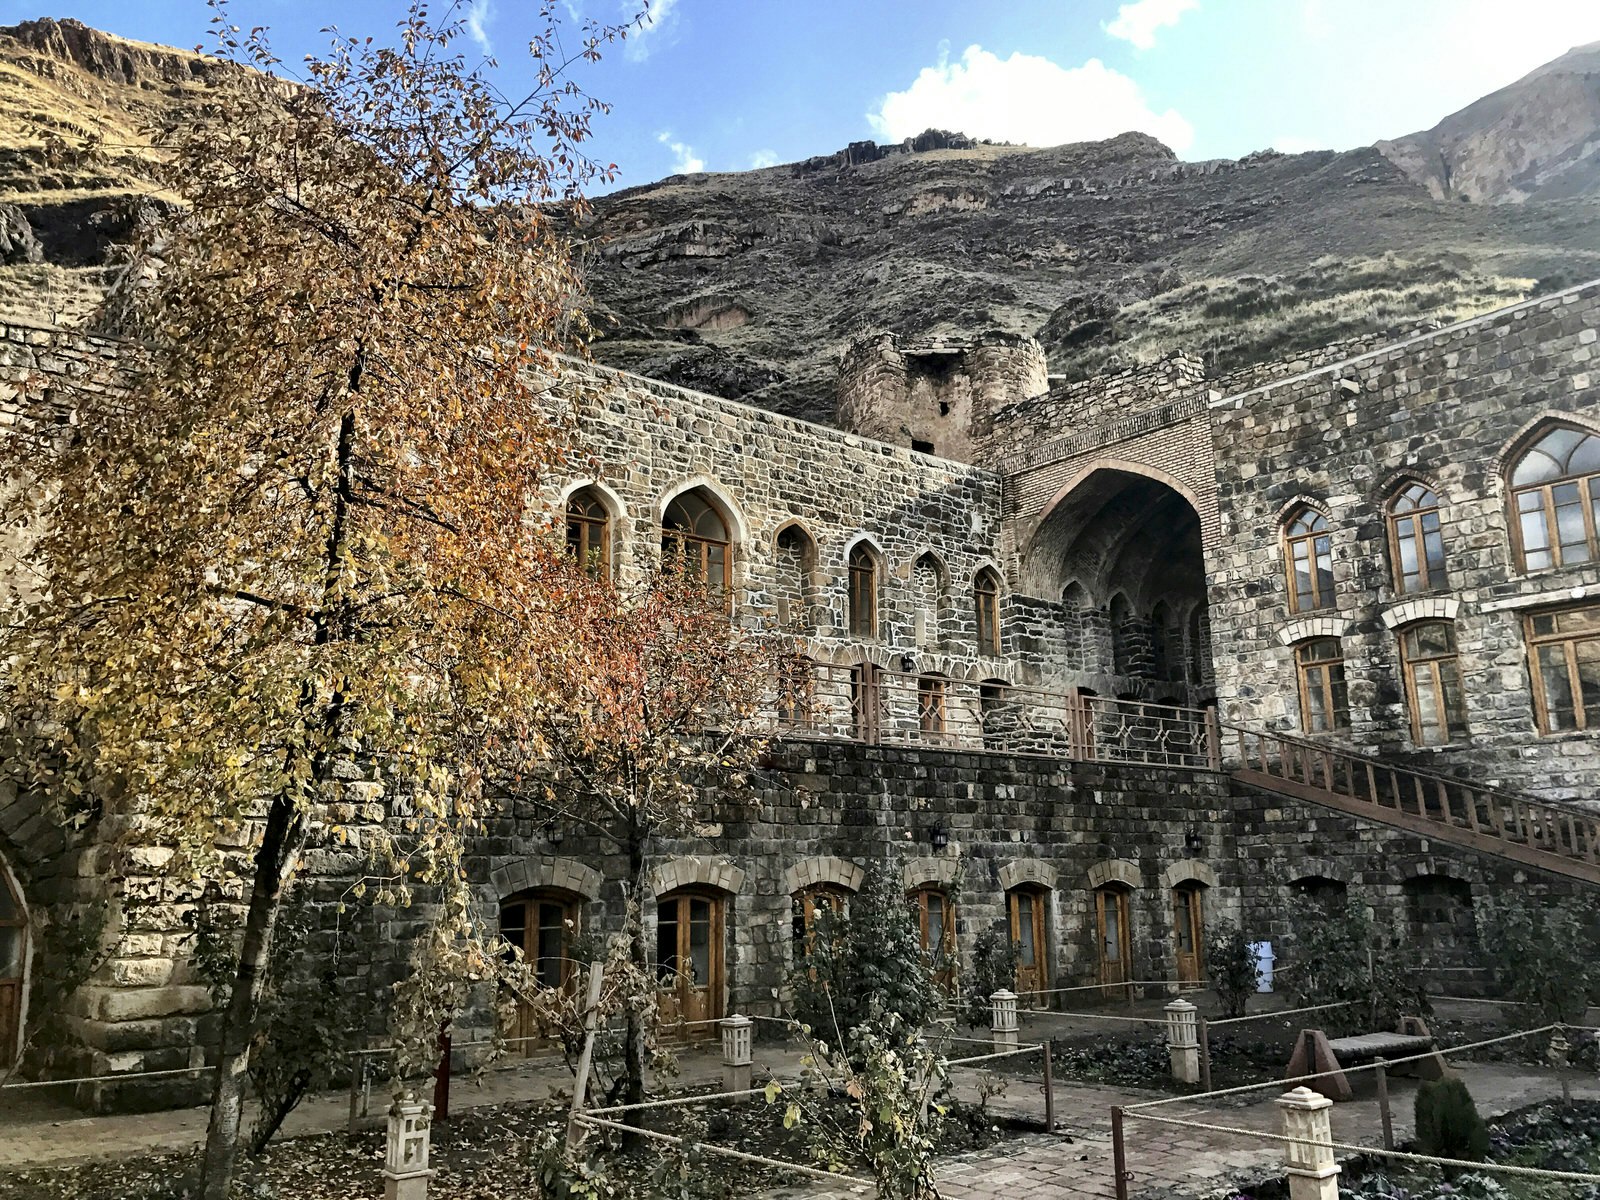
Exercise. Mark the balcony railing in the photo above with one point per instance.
(872, 705)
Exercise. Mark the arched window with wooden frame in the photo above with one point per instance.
(541, 924)
(1432, 671)
(1564, 646)
(1027, 911)
(695, 540)
(1308, 557)
(936, 921)
(589, 532)
(691, 959)
(810, 904)
(1324, 695)
(863, 581)
(13, 967)
(1555, 500)
(1416, 539)
(986, 600)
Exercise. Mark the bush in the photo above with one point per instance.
(854, 970)
(1541, 953)
(1231, 966)
(1448, 1124)
(1341, 956)
(994, 966)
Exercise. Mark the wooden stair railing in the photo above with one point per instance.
(1551, 837)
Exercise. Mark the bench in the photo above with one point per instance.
(1316, 1054)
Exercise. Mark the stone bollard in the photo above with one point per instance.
(405, 1170)
(1313, 1173)
(1003, 1023)
(1183, 1041)
(736, 1034)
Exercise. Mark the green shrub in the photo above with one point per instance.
(994, 966)
(1340, 955)
(1448, 1124)
(1541, 953)
(1231, 966)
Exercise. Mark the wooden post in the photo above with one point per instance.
(358, 1070)
(441, 1076)
(1383, 1104)
(580, 1084)
(1119, 1157)
(1205, 1053)
(1049, 1090)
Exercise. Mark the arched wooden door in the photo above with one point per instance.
(13, 965)
(1027, 907)
(1189, 931)
(936, 918)
(690, 960)
(1116, 940)
(542, 924)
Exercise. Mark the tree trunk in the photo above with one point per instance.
(280, 847)
(633, 1050)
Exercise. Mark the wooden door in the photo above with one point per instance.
(689, 961)
(936, 918)
(1027, 905)
(1116, 943)
(13, 957)
(541, 924)
(1188, 932)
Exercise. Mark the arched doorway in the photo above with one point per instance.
(1189, 931)
(13, 965)
(1136, 541)
(691, 960)
(1027, 907)
(541, 923)
(1111, 910)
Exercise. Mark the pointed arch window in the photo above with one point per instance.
(1555, 500)
(589, 532)
(986, 597)
(694, 539)
(1416, 539)
(863, 589)
(1308, 553)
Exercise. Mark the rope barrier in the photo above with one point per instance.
(813, 1172)
(119, 1078)
(1507, 1168)
(1287, 1012)
(1387, 1063)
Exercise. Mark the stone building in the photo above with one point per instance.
(1093, 662)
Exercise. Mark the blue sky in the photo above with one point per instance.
(728, 84)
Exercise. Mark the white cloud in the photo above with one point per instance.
(1137, 22)
(478, 15)
(660, 19)
(684, 160)
(1026, 99)
(763, 158)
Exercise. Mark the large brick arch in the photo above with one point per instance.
(822, 869)
(546, 871)
(692, 870)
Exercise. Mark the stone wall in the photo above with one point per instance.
(1443, 408)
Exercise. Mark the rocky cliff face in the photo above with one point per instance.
(750, 285)
(1537, 139)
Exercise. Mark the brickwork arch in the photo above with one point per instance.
(1288, 510)
(1396, 481)
(928, 872)
(546, 871)
(1317, 868)
(1415, 866)
(1115, 870)
(692, 870)
(1021, 871)
(1126, 465)
(1187, 870)
(822, 869)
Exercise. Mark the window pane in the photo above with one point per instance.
(1340, 699)
(1113, 940)
(1025, 947)
(1455, 701)
(1429, 722)
(1433, 638)
(667, 944)
(1181, 902)
(700, 942)
(1588, 654)
(1535, 537)
(9, 911)
(1556, 686)
(1575, 620)
(10, 956)
(1433, 547)
(552, 943)
(1569, 523)
(1406, 543)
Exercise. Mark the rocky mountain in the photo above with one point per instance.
(750, 284)
(1536, 139)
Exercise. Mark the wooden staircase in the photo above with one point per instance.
(1547, 837)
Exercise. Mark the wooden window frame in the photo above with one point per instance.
(1120, 898)
(1411, 525)
(942, 957)
(862, 592)
(1413, 665)
(686, 547)
(933, 707)
(1304, 667)
(1038, 933)
(1570, 643)
(588, 535)
(1188, 900)
(805, 912)
(866, 701)
(1317, 601)
(716, 987)
(1588, 485)
(986, 601)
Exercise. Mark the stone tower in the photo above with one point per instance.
(931, 393)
